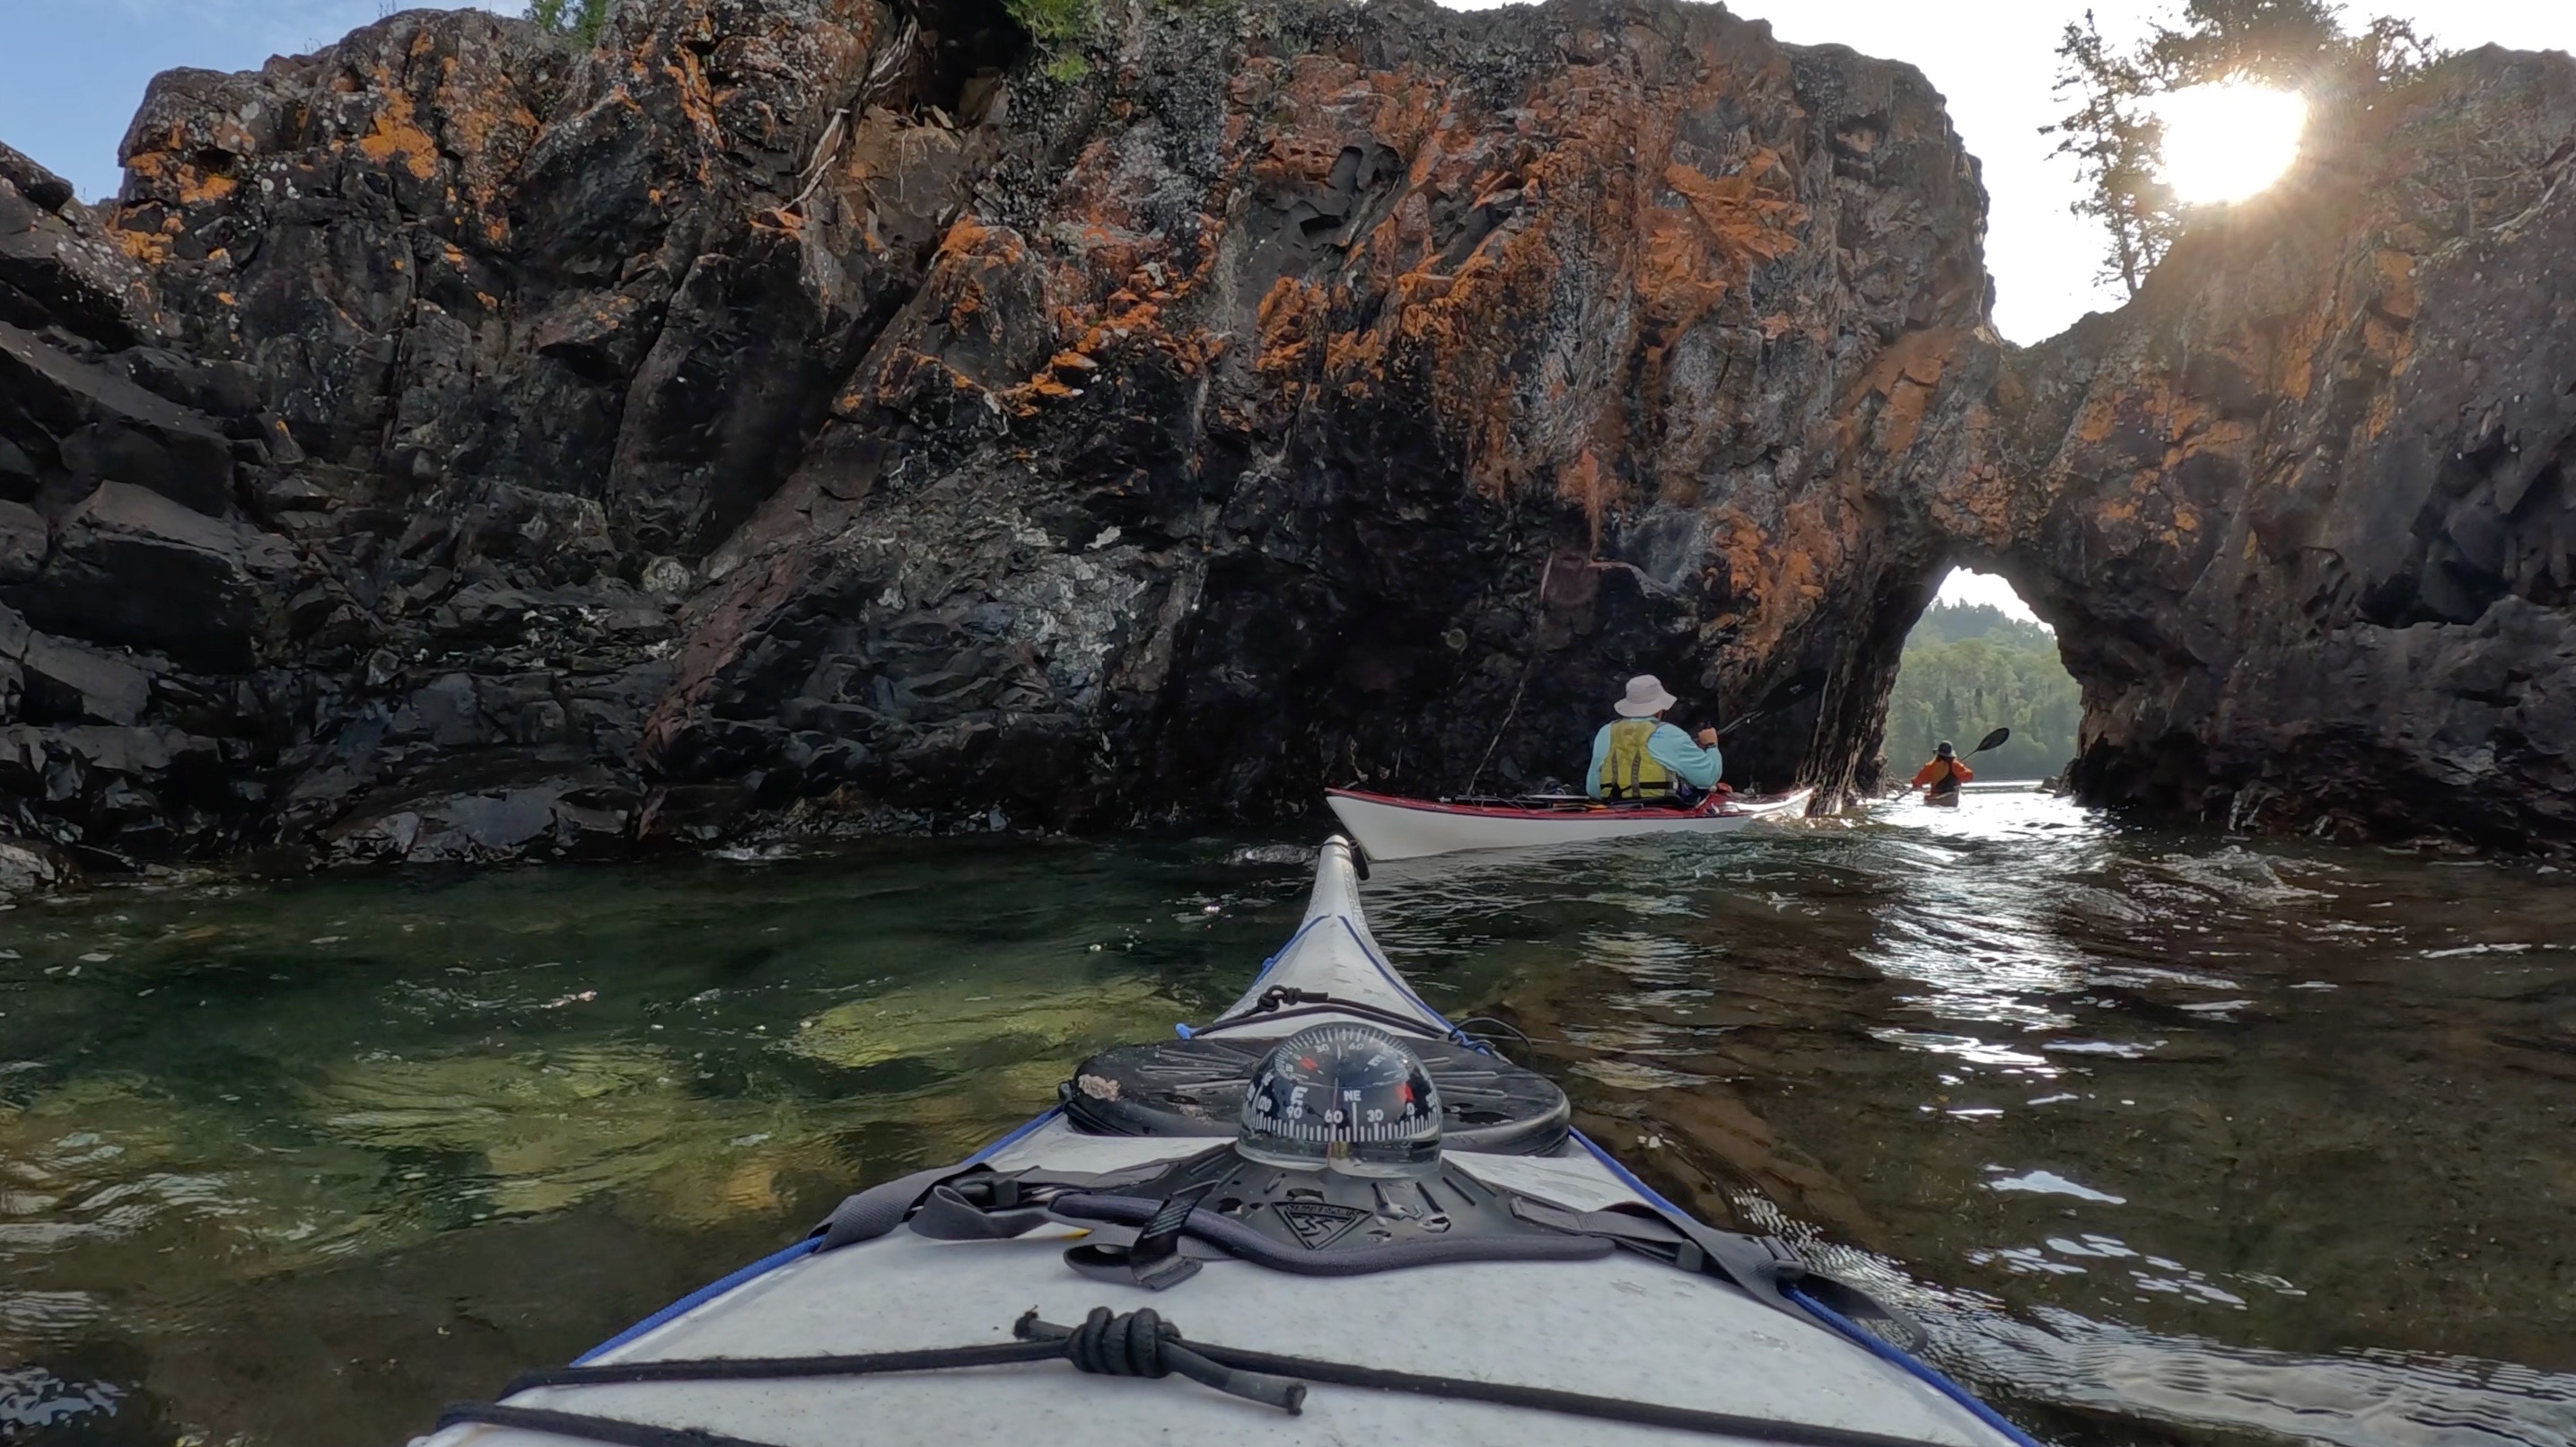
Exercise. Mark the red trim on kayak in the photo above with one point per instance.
(1490, 811)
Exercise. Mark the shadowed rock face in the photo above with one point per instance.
(2302, 513)
(1365, 392)
(809, 416)
(802, 415)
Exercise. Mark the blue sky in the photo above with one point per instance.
(76, 69)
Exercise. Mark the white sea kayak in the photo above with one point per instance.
(1543, 1295)
(1389, 827)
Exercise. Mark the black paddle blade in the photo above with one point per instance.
(1792, 691)
(1782, 697)
(1993, 740)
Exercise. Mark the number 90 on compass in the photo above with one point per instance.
(1342, 1097)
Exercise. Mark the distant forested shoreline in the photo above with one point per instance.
(1971, 668)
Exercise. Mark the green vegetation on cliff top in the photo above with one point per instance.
(1048, 22)
(580, 19)
(1051, 22)
(2115, 134)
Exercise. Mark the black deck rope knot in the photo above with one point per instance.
(1141, 1344)
(1129, 1345)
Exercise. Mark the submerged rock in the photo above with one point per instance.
(29, 869)
(1300, 855)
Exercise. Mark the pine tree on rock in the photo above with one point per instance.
(2116, 138)
(580, 19)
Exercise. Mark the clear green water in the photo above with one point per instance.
(2169, 1139)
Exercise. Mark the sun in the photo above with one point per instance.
(2227, 142)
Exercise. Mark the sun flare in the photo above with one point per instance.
(2227, 142)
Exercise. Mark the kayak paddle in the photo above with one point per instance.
(1785, 696)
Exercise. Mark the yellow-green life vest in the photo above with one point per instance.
(1629, 771)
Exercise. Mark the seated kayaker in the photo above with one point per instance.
(1641, 757)
(1941, 778)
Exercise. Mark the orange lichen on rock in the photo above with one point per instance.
(970, 239)
(176, 180)
(396, 131)
(198, 188)
(1298, 159)
(2298, 346)
(697, 103)
(907, 376)
(1463, 331)
(1024, 399)
(1748, 223)
(1675, 279)
(2388, 316)
(1741, 556)
(1290, 314)
(147, 247)
(1589, 485)
(1906, 377)
(1352, 359)
(2396, 272)
(490, 137)
(2099, 418)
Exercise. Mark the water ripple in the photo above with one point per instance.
(2166, 1139)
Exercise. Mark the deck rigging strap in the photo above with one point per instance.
(1317, 1002)
(980, 1204)
(1139, 1344)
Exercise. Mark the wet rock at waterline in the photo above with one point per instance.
(809, 416)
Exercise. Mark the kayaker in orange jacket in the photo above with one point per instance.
(1941, 778)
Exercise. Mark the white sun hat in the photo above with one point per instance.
(1646, 698)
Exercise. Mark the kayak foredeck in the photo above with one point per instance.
(1622, 1327)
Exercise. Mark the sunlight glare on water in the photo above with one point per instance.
(2167, 1138)
(2211, 1138)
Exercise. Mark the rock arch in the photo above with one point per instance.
(508, 450)
(2300, 510)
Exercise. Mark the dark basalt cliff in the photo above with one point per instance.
(808, 416)
(2302, 512)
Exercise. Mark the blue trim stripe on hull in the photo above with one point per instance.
(1844, 1326)
(1917, 1367)
(775, 1259)
(700, 1297)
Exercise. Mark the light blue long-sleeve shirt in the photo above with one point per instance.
(1675, 750)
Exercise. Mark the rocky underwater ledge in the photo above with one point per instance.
(795, 418)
